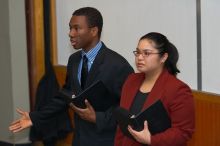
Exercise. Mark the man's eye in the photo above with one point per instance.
(77, 28)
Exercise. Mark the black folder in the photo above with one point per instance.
(156, 116)
(95, 94)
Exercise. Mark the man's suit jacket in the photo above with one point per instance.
(178, 101)
(113, 70)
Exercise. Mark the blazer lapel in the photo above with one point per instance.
(74, 75)
(96, 65)
(132, 90)
(158, 89)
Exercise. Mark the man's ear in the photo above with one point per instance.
(94, 31)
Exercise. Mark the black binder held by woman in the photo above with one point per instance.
(156, 116)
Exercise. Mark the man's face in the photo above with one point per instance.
(80, 33)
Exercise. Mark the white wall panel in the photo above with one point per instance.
(210, 45)
(125, 21)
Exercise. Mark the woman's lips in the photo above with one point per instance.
(140, 64)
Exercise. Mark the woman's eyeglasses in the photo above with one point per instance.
(144, 53)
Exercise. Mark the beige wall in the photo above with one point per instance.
(13, 67)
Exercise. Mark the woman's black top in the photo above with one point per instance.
(138, 102)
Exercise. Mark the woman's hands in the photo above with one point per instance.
(143, 136)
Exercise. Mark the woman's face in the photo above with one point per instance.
(147, 58)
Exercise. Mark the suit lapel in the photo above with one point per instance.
(92, 73)
(96, 65)
(158, 89)
(74, 75)
(132, 90)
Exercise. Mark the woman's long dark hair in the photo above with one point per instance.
(163, 45)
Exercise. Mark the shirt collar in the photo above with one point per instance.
(91, 54)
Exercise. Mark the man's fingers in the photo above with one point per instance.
(17, 130)
(76, 109)
(71, 105)
(14, 122)
(15, 126)
(21, 112)
(88, 105)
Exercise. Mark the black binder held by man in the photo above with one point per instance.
(156, 116)
(95, 94)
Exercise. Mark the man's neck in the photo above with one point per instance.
(92, 45)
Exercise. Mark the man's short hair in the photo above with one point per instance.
(94, 17)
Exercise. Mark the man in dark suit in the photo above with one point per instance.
(94, 128)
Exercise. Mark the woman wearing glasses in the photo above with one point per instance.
(156, 60)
